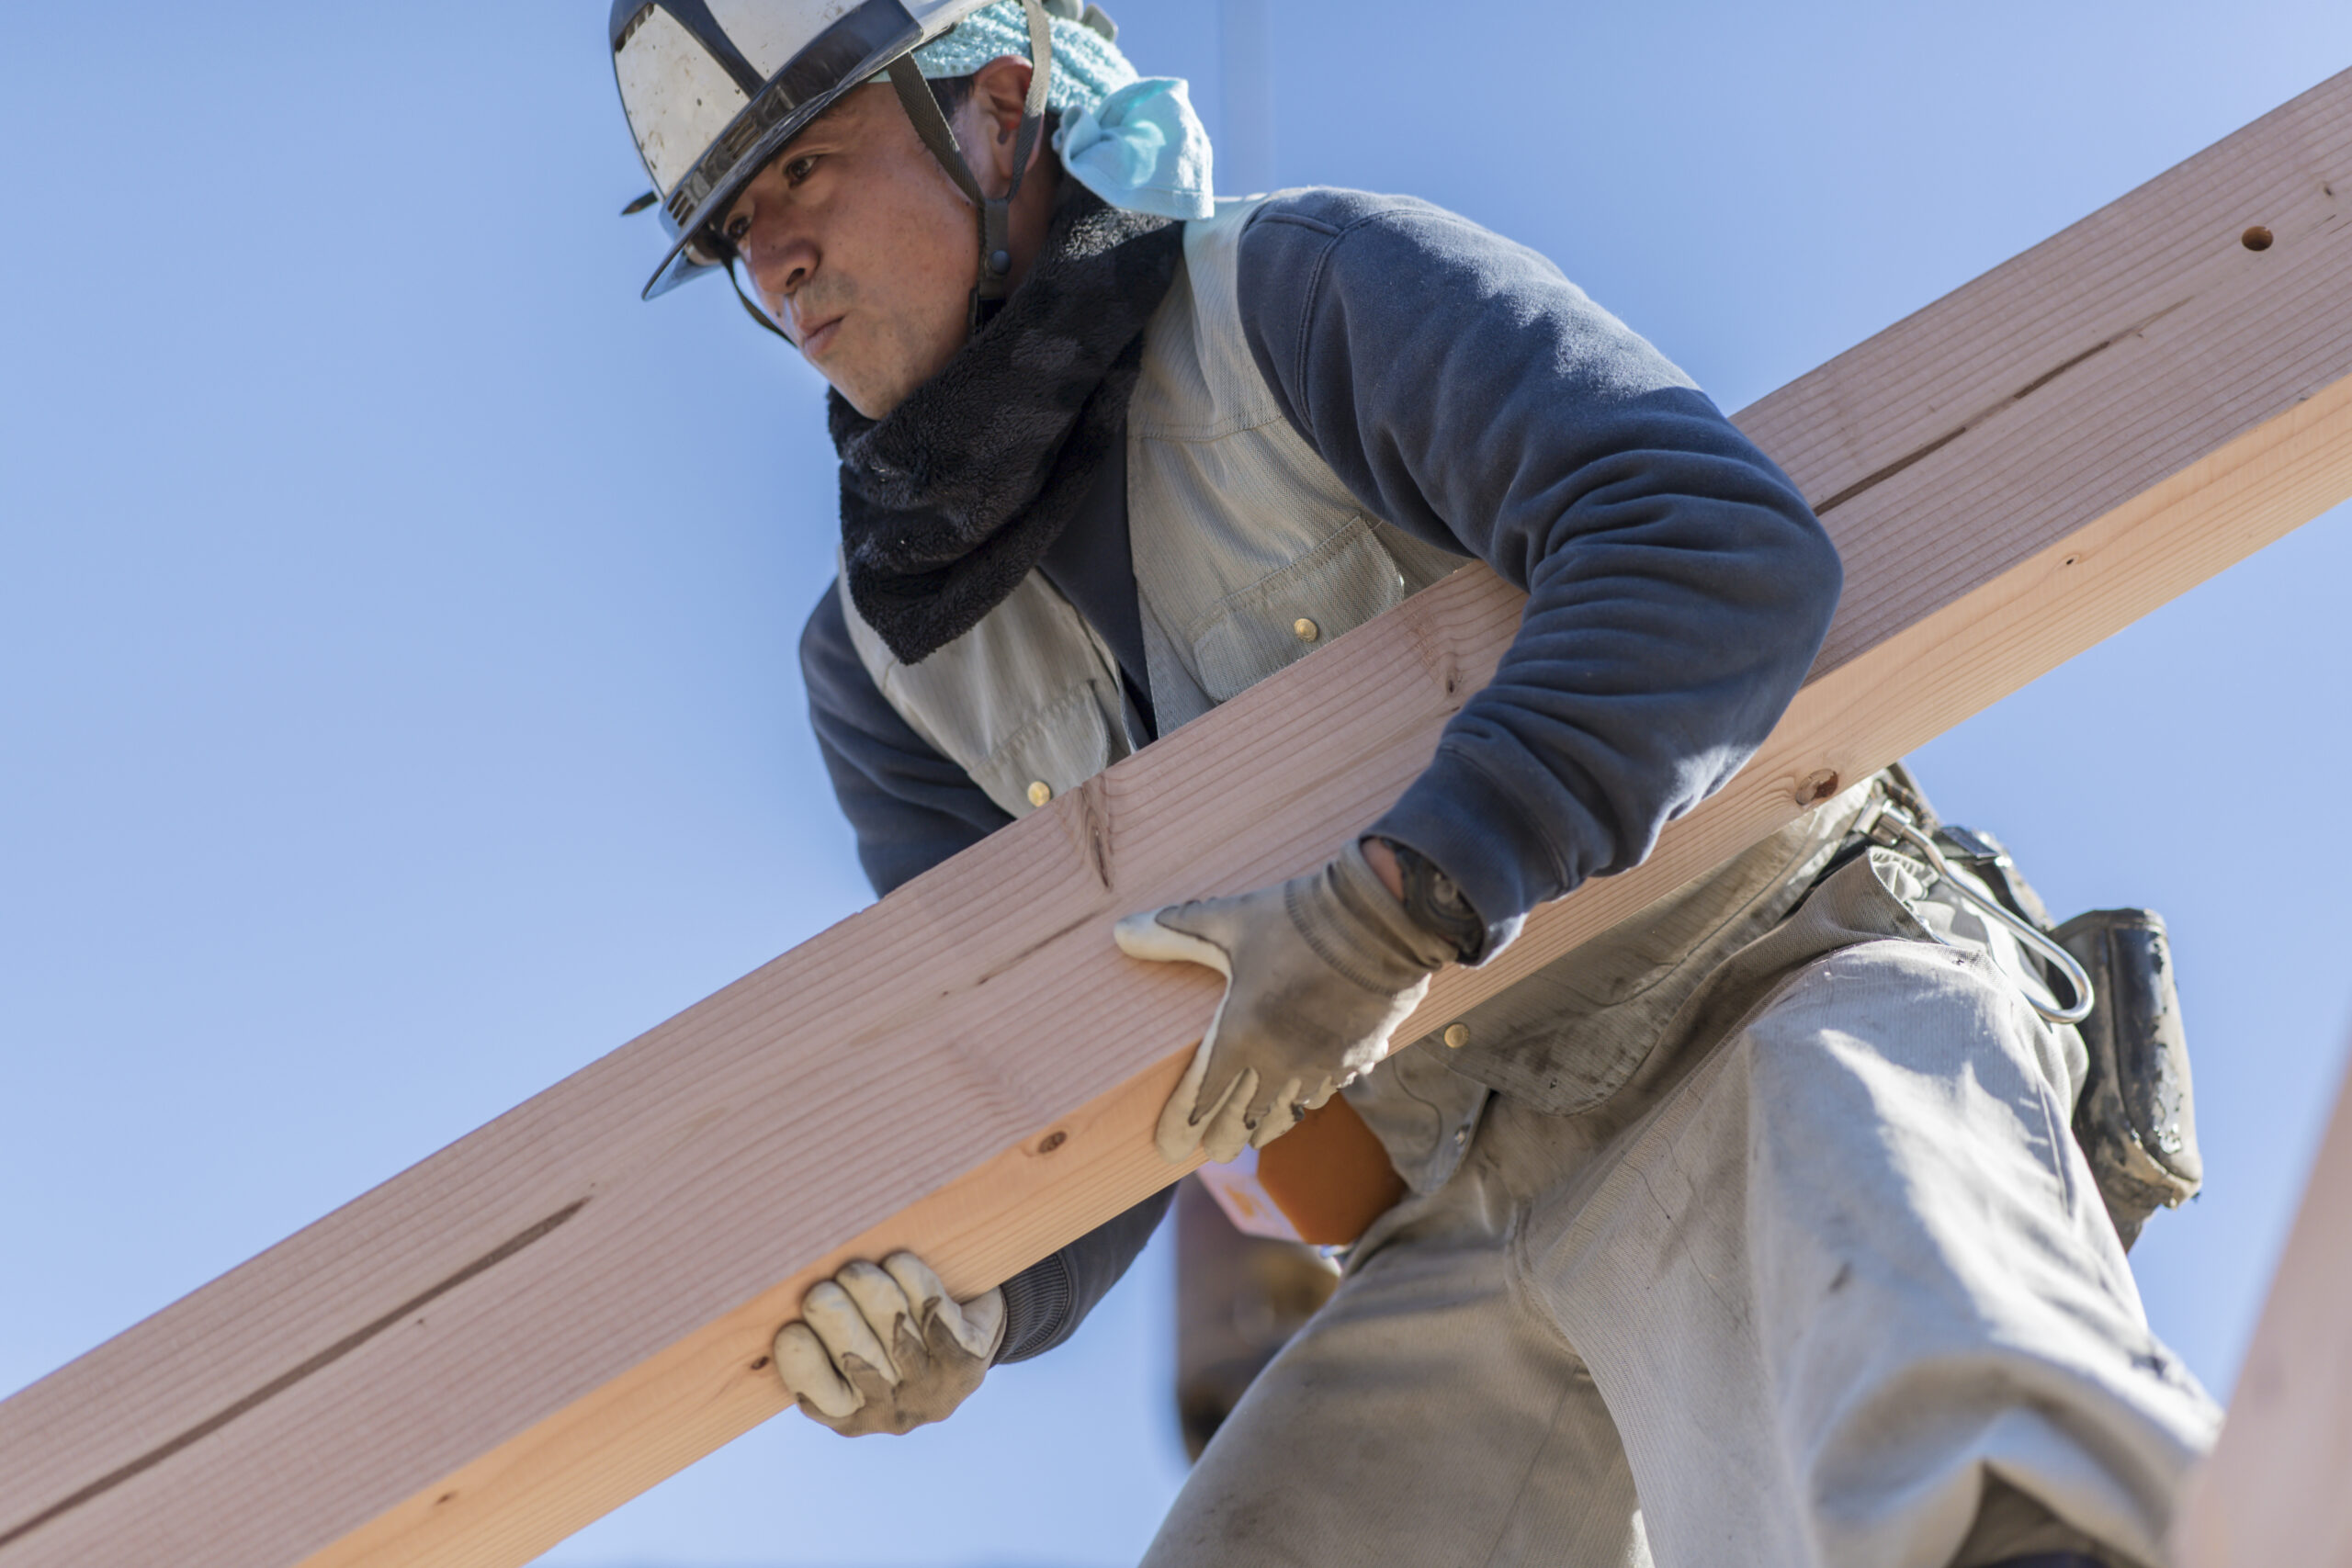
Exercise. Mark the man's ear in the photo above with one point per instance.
(998, 89)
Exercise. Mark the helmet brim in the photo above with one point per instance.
(861, 42)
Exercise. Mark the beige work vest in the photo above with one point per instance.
(1239, 532)
(1242, 539)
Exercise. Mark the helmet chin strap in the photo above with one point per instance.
(751, 309)
(996, 211)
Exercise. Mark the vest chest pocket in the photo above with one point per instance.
(1065, 743)
(1334, 588)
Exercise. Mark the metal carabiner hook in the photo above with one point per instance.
(1889, 825)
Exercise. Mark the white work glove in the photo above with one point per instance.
(1320, 971)
(886, 1349)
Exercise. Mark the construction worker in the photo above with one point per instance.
(1751, 1231)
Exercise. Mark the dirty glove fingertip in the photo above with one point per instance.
(808, 1373)
(1148, 937)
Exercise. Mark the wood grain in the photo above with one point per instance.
(2274, 1489)
(543, 1319)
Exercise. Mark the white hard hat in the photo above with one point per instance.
(714, 89)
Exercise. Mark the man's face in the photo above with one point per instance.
(862, 249)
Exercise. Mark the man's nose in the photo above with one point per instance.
(778, 276)
(781, 262)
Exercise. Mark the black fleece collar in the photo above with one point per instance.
(953, 496)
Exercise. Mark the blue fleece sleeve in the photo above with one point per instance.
(1678, 585)
(911, 808)
(1044, 1302)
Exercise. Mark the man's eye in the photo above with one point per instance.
(737, 227)
(799, 169)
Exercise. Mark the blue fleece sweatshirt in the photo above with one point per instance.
(1467, 392)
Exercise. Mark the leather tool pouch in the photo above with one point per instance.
(2136, 1120)
(2136, 1117)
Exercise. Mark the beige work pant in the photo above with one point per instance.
(1838, 1291)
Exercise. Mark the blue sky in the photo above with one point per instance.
(397, 617)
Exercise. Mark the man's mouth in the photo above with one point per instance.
(814, 340)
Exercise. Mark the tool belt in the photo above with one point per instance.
(2107, 974)
(2135, 1116)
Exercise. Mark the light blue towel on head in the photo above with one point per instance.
(1142, 148)
(1133, 141)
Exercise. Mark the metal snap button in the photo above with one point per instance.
(1458, 1035)
(1307, 630)
(1040, 792)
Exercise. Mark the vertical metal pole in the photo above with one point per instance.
(1245, 145)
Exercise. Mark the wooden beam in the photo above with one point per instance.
(556, 1311)
(2273, 1491)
